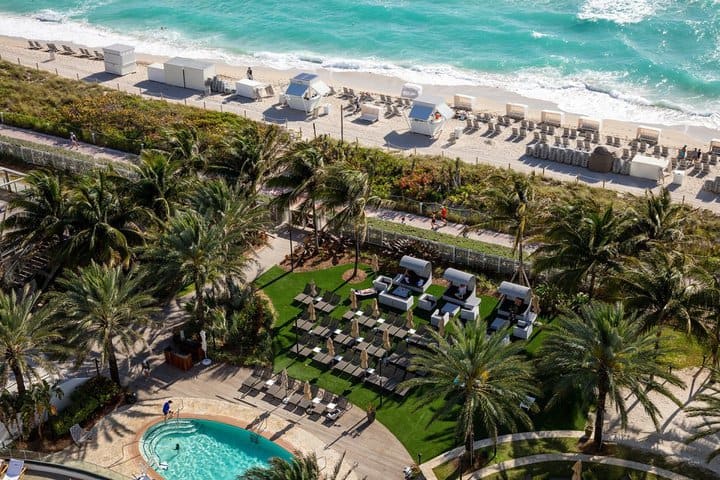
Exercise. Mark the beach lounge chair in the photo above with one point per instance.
(52, 48)
(15, 470)
(80, 435)
(98, 55)
(86, 53)
(67, 50)
(32, 45)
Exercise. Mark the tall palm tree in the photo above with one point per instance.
(104, 223)
(581, 246)
(195, 250)
(302, 175)
(510, 206)
(189, 148)
(483, 374)
(707, 407)
(662, 289)
(107, 310)
(28, 334)
(251, 157)
(347, 193)
(606, 354)
(160, 183)
(659, 222)
(301, 467)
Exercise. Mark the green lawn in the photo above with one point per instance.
(444, 238)
(409, 420)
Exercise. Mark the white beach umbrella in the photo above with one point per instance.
(306, 391)
(409, 323)
(375, 308)
(386, 340)
(284, 378)
(364, 359)
(355, 328)
(331, 347)
(353, 300)
(313, 289)
(311, 312)
(203, 342)
(375, 264)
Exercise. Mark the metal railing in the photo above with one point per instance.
(61, 461)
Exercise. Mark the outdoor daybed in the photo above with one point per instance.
(417, 275)
(515, 308)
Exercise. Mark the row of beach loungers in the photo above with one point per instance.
(65, 50)
(295, 397)
(378, 98)
(323, 302)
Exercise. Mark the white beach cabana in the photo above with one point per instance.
(587, 123)
(648, 134)
(417, 275)
(462, 286)
(651, 168)
(464, 102)
(119, 59)
(305, 92)
(428, 116)
(156, 72)
(552, 117)
(253, 89)
(518, 111)
(188, 73)
(715, 146)
(411, 90)
(515, 308)
(371, 113)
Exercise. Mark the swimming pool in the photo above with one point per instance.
(208, 450)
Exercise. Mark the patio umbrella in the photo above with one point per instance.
(375, 264)
(441, 326)
(331, 347)
(409, 324)
(577, 470)
(284, 379)
(313, 289)
(306, 391)
(376, 308)
(364, 359)
(203, 342)
(311, 312)
(386, 340)
(353, 300)
(355, 328)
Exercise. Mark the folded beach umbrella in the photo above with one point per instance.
(353, 300)
(313, 289)
(441, 327)
(306, 391)
(376, 308)
(409, 324)
(311, 312)
(386, 340)
(331, 347)
(364, 359)
(375, 263)
(355, 328)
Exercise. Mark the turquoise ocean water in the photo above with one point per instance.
(642, 60)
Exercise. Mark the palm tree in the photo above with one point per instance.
(484, 374)
(189, 148)
(160, 183)
(196, 250)
(28, 333)
(659, 222)
(510, 206)
(581, 246)
(105, 306)
(302, 175)
(662, 289)
(39, 404)
(347, 193)
(301, 467)
(104, 223)
(708, 411)
(252, 156)
(606, 354)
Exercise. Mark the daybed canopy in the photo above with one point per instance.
(513, 291)
(715, 145)
(251, 89)
(422, 268)
(411, 90)
(648, 134)
(428, 115)
(552, 117)
(651, 168)
(457, 277)
(305, 92)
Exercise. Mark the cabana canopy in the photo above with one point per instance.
(425, 107)
(422, 268)
(587, 123)
(411, 90)
(513, 291)
(517, 111)
(552, 117)
(457, 277)
(651, 168)
(305, 91)
(715, 145)
(648, 134)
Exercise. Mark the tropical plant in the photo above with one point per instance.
(580, 246)
(189, 147)
(509, 207)
(482, 374)
(37, 404)
(106, 307)
(606, 355)
(659, 222)
(301, 175)
(160, 183)
(28, 334)
(301, 467)
(346, 193)
(707, 407)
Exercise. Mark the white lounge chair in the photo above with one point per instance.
(80, 435)
(15, 470)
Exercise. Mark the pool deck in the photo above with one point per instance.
(212, 392)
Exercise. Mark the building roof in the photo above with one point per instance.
(189, 63)
(118, 48)
(296, 89)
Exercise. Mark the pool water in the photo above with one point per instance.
(208, 450)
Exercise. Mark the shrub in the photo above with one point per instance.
(86, 400)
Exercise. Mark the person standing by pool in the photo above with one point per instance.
(167, 409)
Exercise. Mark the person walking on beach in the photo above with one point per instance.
(167, 409)
(432, 221)
(443, 215)
(73, 141)
(249, 73)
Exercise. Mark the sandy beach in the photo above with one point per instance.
(390, 133)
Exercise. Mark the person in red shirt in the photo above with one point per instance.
(443, 215)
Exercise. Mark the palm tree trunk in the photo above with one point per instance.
(523, 277)
(591, 288)
(469, 446)
(19, 380)
(199, 300)
(357, 251)
(112, 363)
(600, 413)
(315, 226)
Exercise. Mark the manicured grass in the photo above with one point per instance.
(444, 238)
(410, 420)
(526, 448)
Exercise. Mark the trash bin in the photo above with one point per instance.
(678, 177)
(458, 132)
(326, 109)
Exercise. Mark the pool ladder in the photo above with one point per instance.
(259, 428)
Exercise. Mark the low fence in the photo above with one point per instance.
(59, 465)
(458, 256)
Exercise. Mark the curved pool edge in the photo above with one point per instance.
(136, 453)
